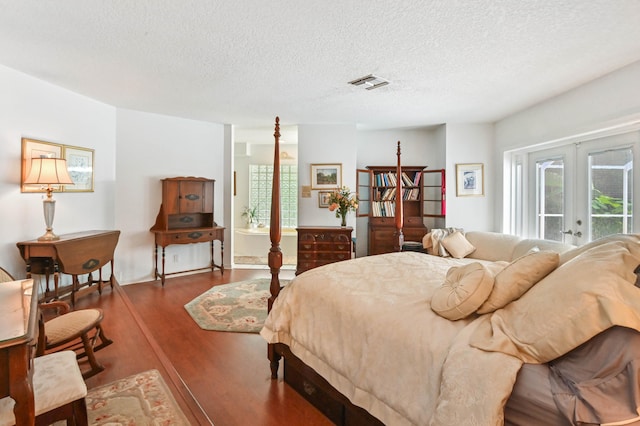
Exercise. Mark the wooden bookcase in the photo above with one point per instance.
(377, 197)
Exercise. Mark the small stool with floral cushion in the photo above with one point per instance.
(58, 392)
(78, 331)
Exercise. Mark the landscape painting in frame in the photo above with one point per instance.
(326, 176)
(32, 148)
(469, 179)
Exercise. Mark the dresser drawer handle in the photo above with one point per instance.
(194, 235)
(192, 197)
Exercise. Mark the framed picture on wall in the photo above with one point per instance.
(326, 176)
(323, 198)
(32, 148)
(80, 166)
(469, 179)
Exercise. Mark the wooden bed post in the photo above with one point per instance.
(398, 236)
(275, 233)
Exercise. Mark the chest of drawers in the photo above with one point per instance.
(321, 245)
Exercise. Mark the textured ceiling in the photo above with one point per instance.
(243, 62)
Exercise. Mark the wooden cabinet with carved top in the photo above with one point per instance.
(321, 245)
(186, 217)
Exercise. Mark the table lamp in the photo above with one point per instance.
(49, 171)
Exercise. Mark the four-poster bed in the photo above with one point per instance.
(362, 340)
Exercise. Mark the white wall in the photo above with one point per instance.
(606, 102)
(470, 143)
(141, 148)
(318, 144)
(38, 110)
(152, 147)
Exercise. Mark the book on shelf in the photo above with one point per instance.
(406, 180)
(383, 208)
(385, 179)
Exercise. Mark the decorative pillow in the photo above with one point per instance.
(578, 300)
(432, 242)
(518, 277)
(464, 289)
(496, 267)
(457, 245)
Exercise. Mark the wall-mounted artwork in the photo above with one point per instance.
(323, 198)
(326, 176)
(32, 148)
(80, 167)
(469, 179)
(79, 164)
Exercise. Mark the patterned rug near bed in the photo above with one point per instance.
(239, 307)
(141, 399)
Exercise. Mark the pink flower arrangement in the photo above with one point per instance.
(342, 201)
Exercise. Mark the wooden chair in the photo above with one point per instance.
(58, 392)
(69, 330)
(78, 331)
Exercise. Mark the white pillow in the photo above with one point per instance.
(457, 245)
(464, 289)
(518, 277)
(578, 300)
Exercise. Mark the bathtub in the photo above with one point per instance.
(256, 242)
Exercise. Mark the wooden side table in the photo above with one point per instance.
(74, 254)
(321, 245)
(163, 238)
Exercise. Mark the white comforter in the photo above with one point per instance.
(388, 352)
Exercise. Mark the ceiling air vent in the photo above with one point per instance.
(369, 82)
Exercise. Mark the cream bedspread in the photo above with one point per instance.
(388, 352)
(366, 326)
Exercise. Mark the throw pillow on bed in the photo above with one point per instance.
(463, 291)
(580, 299)
(457, 245)
(518, 277)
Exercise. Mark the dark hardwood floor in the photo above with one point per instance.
(220, 375)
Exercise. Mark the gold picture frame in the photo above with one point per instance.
(33, 148)
(326, 176)
(80, 167)
(470, 180)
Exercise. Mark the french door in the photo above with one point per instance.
(583, 191)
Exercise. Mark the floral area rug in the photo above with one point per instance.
(239, 307)
(141, 399)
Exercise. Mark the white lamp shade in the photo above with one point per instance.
(49, 171)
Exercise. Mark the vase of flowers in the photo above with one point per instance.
(342, 201)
